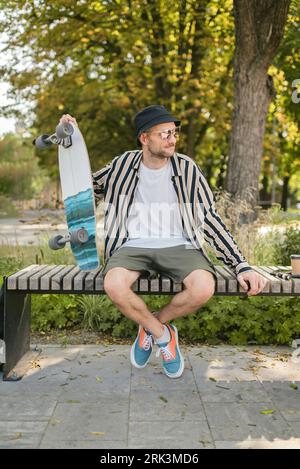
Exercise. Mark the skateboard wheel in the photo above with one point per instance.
(42, 142)
(80, 236)
(54, 243)
(64, 130)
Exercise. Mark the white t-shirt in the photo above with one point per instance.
(154, 220)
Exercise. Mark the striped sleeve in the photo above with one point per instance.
(99, 179)
(217, 234)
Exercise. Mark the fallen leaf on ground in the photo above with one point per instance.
(97, 433)
(35, 364)
(55, 421)
(268, 411)
(16, 436)
(162, 398)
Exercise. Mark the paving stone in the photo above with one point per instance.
(234, 421)
(286, 397)
(227, 367)
(18, 434)
(232, 391)
(154, 378)
(32, 406)
(91, 444)
(169, 434)
(295, 425)
(81, 421)
(262, 443)
(171, 405)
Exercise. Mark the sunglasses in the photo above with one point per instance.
(166, 134)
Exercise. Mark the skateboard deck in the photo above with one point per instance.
(78, 197)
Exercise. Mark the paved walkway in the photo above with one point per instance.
(90, 397)
(35, 227)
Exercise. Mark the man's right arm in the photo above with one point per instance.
(99, 177)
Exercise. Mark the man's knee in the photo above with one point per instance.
(117, 282)
(201, 286)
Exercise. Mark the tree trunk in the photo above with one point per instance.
(285, 193)
(264, 194)
(259, 26)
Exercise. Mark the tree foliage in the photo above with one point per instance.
(103, 61)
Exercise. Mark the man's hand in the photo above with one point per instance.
(256, 281)
(65, 118)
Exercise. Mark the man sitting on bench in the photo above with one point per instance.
(159, 212)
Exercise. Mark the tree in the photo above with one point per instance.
(259, 28)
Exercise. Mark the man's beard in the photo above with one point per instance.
(166, 153)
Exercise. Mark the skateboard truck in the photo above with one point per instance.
(80, 236)
(62, 136)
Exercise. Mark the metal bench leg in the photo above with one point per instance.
(16, 333)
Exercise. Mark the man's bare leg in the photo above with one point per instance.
(117, 285)
(199, 288)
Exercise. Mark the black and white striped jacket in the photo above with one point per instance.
(117, 181)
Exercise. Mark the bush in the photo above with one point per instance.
(290, 244)
(100, 314)
(233, 320)
(241, 321)
(54, 312)
(7, 208)
(20, 174)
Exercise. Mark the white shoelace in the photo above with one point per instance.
(165, 353)
(147, 342)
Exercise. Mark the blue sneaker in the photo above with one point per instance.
(173, 362)
(141, 349)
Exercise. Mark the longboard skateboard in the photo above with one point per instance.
(78, 194)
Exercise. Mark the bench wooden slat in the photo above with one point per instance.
(35, 280)
(233, 284)
(275, 283)
(230, 278)
(68, 279)
(165, 285)
(46, 279)
(144, 285)
(177, 287)
(154, 285)
(135, 286)
(221, 279)
(280, 281)
(99, 281)
(89, 281)
(57, 279)
(12, 279)
(79, 280)
(23, 280)
(296, 285)
(288, 286)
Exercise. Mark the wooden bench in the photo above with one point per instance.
(15, 298)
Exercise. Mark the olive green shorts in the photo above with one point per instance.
(175, 262)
